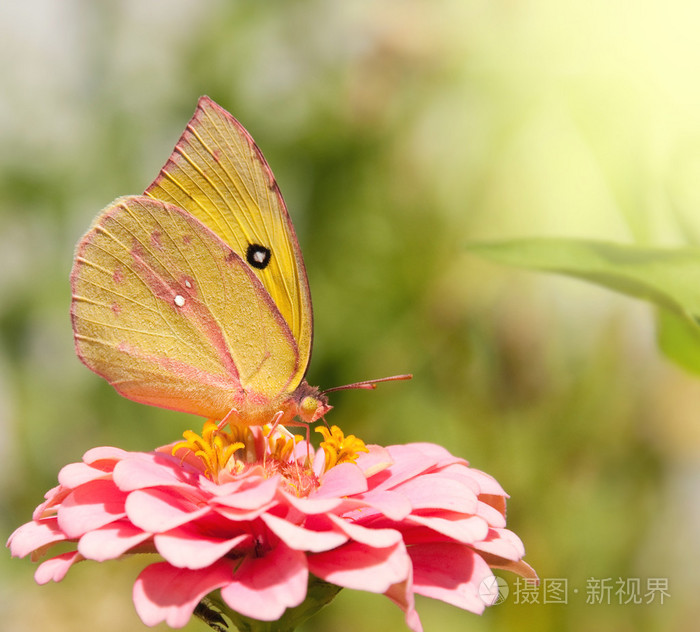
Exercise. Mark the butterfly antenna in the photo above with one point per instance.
(368, 384)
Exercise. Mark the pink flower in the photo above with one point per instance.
(253, 517)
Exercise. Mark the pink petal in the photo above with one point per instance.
(89, 507)
(112, 541)
(158, 510)
(187, 547)
(503, 543)
(254, 494)
(376, 538)
(362, 567)
(141, 471)
(391, 504)
(402, 595)
(494, 517)
(497, 502)
(408, 463)
(432, 491)
(487, 483)
(374, 461)
(56, 568)
(264, 587)
(450, 572)
(76, 474)
(104, 453)
(440, 456)
(342, 480)
(465, 530)
(53, 497)
(239, 515)
(34, 535)
(301, 539)
(311, 505)
(464, 475)
(165, 593)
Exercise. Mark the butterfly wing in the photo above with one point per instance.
(217, 173)
(171, 316)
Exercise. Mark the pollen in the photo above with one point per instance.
(215, 448)
(338, 447)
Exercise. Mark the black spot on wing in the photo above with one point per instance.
(258, 256)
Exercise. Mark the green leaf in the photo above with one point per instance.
(319, 594)
(679, 340)
(668, 278)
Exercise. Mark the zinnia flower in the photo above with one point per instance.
(258, 524)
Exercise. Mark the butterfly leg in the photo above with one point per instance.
(227, 419)
(275, 422)
(277, 418)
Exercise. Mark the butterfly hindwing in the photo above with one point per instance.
(172, 316)
(217, 174)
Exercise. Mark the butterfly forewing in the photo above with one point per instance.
(218, 174)
(170, 315)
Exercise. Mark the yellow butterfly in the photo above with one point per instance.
(194, 296)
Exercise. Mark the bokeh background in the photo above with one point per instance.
(399, 131)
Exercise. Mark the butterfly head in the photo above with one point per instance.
(311, 405)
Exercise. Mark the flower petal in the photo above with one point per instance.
(440, 456)
(301, 539)
(391, 504)
(90, 506)
(158, 510)
(141, 471)
(503, 543)
(487, 483)
(467, 530)
(402, 595)
(256, 493)
(264, 587)
(408, 462)
(34, 535)
(433, 491)
(450, 572)
(188, 547)
(376, 538)
(374, 461)
(56, 568)
(76, 474)
(489, 513)
(165, 593)
(105, 454)
(342, 480)
(311, 505)
(239, 515)
(111, 541)
(358, 566)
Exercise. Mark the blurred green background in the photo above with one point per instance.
(399, 132)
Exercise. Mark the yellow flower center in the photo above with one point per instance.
(224, 453)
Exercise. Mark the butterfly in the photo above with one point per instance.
(194, 296)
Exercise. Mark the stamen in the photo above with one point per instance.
(338, 447)
(281, 443)
(215, 447)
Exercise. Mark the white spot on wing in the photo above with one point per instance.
(179, 300)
